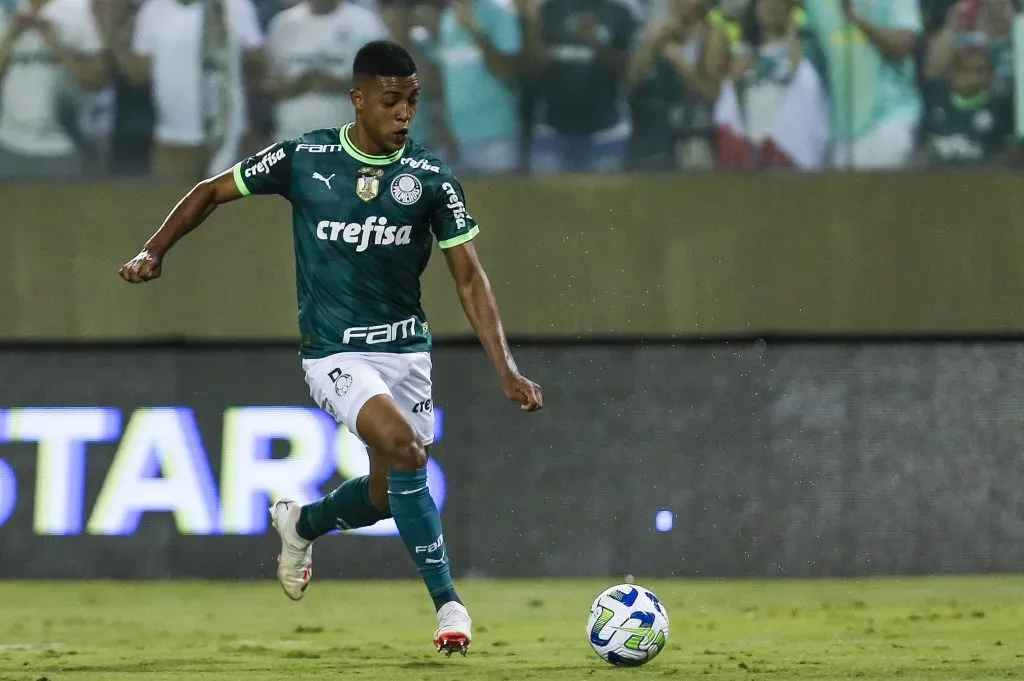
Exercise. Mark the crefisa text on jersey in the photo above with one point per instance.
(457, 205)
(354, 233)
(420, 164)
(264, 165)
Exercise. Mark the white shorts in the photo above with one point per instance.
(342, 383)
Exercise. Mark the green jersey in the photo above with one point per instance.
(363, 229)
(966, 132)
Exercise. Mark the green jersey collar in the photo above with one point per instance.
(971, 103)
(347, 145)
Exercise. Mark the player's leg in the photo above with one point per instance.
(400, 452)
(378, 482)
(409, 379)
(341, 385)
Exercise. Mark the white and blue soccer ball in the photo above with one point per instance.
(628, 625)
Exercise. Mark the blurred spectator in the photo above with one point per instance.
(479, 46)
(869, 47)
(50, 53)
(198, 57)
(129, 142)
(311, 47)
(266, 10)
(969, 123)
(992, 19)
(775, 111)
(933, 14)
(677, 74)
(415, 25)
(577, 53)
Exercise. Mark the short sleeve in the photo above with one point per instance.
(146, 30)
(450, 219)
(268, 172)
(904, 15)
(247, 23)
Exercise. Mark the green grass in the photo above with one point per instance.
(938, 628)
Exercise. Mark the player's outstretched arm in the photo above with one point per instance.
(481, 309)
(188, 214)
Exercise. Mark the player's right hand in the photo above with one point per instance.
(143, 267)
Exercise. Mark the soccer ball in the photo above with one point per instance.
(628, 625)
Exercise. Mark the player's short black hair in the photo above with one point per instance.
(383, 58)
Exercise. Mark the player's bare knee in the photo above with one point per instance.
(405, 452)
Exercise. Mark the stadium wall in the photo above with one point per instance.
(704, 459)
(649, 256)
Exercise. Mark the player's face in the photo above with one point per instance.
(972, 73)
(386, 108)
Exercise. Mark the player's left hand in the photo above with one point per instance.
(524, 391)
(144, 267)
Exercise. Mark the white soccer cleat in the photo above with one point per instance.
(295, 562)
(454, 625)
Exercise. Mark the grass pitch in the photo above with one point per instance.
(936, 628)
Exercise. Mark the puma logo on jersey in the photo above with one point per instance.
(375, 231)
(457, 206)
(325, 180)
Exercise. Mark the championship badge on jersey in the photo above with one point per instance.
(368, 183)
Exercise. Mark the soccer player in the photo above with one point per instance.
(367, 202)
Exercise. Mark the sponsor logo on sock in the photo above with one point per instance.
(438, 545)
(430, 548)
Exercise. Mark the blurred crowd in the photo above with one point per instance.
(183, 88)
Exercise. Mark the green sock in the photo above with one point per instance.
(346, 508)
(419, 524)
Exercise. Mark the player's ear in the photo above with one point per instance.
(355, 95)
